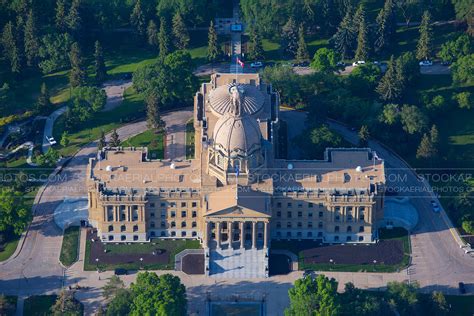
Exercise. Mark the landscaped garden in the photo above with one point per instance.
(391, 253)
(190, 140)
(158, 254)
(70, 246)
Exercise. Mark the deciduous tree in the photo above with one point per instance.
(463, 69)
(324, 60)
(120, 304)
(113, 286)
(14, 216)
(364, 136)
(413, 119)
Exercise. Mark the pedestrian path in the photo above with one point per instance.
(240, 263)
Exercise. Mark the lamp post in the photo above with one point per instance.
(141, 263)
(375, 262)
(331, 262)
(97, 264)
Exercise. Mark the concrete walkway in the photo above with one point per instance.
(48, 127)
(114, 89)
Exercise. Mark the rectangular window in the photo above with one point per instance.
(300, 205)
(163, 204)
(194, 204)
(310, 224)
(278, 204)
(194, 213)
(183, 204)
(152, 204)
(183, 214)
(173, 214)
(310, 205)
(321, 214)
(288, 214)
(300, 214)
(289, 204)
(173, 204)
(152, 215)
(310, 214)
(279, 214)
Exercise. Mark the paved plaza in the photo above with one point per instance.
(239, 264)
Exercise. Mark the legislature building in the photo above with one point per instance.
(237, 194)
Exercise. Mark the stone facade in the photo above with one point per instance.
(236, 193)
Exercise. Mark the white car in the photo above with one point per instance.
(51, 140)
(358, 63)
(257, 64)
(425, 63)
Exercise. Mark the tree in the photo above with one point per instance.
(44, 105)
(153, 116)
(390, 114)
(102, 142)
(163, 295)
(424, 49)
(362, 51)
(49, 159)
(439, 304)
(164, 39)
(409, 8)
(180, 32)
(115, 139)
(255, 47)
(385, 26)
(320, 138)
(10, 47)
(465, 100)
(31, 40)
(413, 120)
(455, 49)
(344, 37)
(137, 18)
(426, 149)
(324, 60)
(60, 17)
(403, 297)
(120, 304)
(113, 286)
(302, 54)
(14, 216)
(407, 68)
(77, 76)
(54, 52)
(468, 226)
(74, 21)
(290, 37)
(364, 136)
(390, 86)
(5, 305)
(66, 304)
(463, 69)
(355, 301)
(313, 296)
(213, 51)
(64, 139)
(464, 12)
(152, 34)
(99, 65)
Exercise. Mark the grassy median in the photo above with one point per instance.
(70, 247)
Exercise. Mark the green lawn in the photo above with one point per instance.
(190, 140)
(172, 246)
(9, 248)
(39, 305)
(70, 246)
(154, 142)
(132, 108)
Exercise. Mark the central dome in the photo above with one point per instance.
(234, 134)
(221, 99)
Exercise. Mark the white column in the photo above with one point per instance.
(265, 235)
(206, 235)
(218, 234)
(254, 234)
(242, 246)
(229, 233)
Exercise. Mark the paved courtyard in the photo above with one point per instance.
(239, 263)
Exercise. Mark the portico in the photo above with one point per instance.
(235, 233)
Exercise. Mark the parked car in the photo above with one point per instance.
(51, 140)
(358, 63)
(462, 288)
(257, 64)
(426, 63)
(120, 271)
(340, 64)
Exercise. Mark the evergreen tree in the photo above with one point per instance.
(364, 135)
(362, 51)
(152, 34)
(385, 26)
(10, 47)
(164, 39)
(390, 87)
(64, 139)
(424, 49)
(302, 54)
(74, 21)
(256, 47)
(66, 305)
(180, 32)
(153, 116)
(113, 286)
(115, 139)
(137, 18)
(434, 135)
(290, 37)
(344, 37)
(426, 149)
(31, 40)
(102, 142)
(60, 18)
(212, 45)
(43, 105)
(99, 65)
(77, 76)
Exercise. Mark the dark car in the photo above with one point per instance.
(120, 271)
(462, 288)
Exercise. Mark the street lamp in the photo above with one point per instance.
(97, 264)
(375, 262)
(331, 262)
(141, 263)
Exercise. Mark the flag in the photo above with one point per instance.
(241, 63)
(237, 171)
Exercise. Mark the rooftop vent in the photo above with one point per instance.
(359, 169)
(108, 168)
(173, 166)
